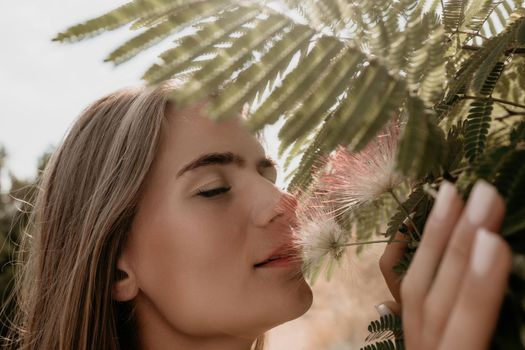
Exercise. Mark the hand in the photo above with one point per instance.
(452, 292)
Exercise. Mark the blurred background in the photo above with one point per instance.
(43, 88)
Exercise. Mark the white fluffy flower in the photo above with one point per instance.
(320, 238)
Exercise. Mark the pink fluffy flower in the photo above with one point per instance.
(351, 180)
(343, 183)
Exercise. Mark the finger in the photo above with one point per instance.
(440, 223)
(393, 253)
(476, 311)
(485, 208)
(388, 307)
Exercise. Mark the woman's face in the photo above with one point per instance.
(200, 228)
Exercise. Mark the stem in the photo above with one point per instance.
(473, 33)
(508, 116)
(405, 211)
(518, 50)
(499, 100)
(454, 173)
(370, 242)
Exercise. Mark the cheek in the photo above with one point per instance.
(193, 265)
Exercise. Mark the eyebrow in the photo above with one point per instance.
(225, 158)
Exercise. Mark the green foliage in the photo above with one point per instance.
(422, 146)
(385, 345)
(382, 331)
(182, 57)
(312, 157)
(414, 200)
(453, 15)
(331, 83)
(290, 92)
(477, 127)
(451, 72)
(370, 103)
(163, 29)
(144, 12)
(368, 221)
(252, 80)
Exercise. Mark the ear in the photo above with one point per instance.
(125, 286)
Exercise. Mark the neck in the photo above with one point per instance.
(156, 333)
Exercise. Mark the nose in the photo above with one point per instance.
(273, 204)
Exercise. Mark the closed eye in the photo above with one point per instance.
(213, 192)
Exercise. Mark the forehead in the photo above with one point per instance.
(189, 133)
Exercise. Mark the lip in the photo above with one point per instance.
(286, 254)
(282, 262)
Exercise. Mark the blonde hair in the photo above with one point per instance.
(87, 197)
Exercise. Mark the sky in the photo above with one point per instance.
(44, 85)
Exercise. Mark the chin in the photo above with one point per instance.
(293, 305)
(307, 301)
(293, 310)
(301, 303)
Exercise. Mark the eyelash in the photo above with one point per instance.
(213, 192)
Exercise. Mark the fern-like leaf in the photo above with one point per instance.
(373, 100)
(453, 15)
(387, 326)
(490, 83)
(331, 83)
(206, 80)
(171, 24)
(432, 76)
(489, 63)
(246, 85)
(477, 128)
(475, 70)
(190, 47)
(382, 330)
(413, 200)
(290, 92)
(368, 219)
(313, 158)
(422, 145)
(385, 345)
(478, 13)
(119, 17)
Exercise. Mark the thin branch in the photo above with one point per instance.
(406, 212)
(498, 100)
(454, 173)
(503, 117)
(371, 242)
(473, 33)
(517, 50)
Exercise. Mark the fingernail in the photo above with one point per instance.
(447, 191)
(484, 251)
(409, 219)
(480, 200)
(383, 310)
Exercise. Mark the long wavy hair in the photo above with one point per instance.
(86, 200)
